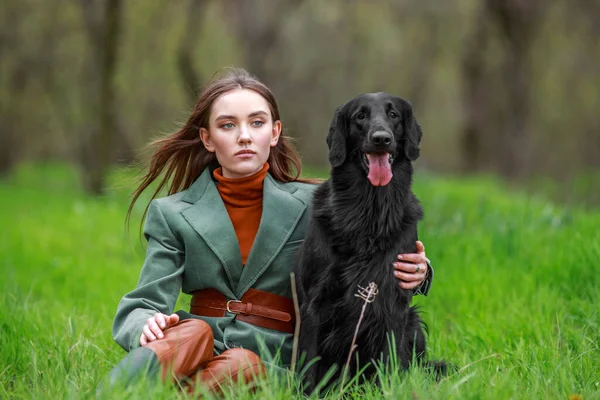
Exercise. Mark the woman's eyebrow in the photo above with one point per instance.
(257, 113)
(251, 115)
(220, 117)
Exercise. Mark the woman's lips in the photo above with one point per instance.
(245, 154)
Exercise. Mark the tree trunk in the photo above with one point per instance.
(260, 31)
(11, 19)
(190, 77)
(590, 142)
(103, 32)
(518, 22)
(429, 48)
(475, 95)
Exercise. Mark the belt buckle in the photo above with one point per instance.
(229, 309)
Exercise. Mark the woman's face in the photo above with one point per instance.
(241, 132)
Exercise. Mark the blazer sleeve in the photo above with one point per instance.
(424, 287)
(159, 283)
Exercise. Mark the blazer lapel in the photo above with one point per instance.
(281, 213)
(208, 216)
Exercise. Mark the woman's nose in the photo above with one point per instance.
(244, 134)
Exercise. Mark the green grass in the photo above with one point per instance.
(515, 302)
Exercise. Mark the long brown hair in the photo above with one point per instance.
(180, 158)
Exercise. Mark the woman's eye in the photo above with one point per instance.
(360, 116)
(258, 123)
(393, 114)
(228, 125)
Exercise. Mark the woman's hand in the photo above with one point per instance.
(155, 326)
(411, 269)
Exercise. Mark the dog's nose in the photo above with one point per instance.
(381, 138)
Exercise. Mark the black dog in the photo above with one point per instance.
(362, 218)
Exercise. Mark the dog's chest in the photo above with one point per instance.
(359, 270)
(369, 225)
(345, 304)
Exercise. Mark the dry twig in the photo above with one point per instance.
(368, 296)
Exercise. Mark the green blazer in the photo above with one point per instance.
(192, 245)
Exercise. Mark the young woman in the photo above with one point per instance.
(227, 234)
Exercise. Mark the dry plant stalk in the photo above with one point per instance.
(368, 296)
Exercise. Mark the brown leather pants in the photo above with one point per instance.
(187, 351)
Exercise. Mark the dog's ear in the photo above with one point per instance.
(336, 138)
(412, 133)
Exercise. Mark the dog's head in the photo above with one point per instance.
(374, 130)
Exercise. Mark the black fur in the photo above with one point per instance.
(355, 234)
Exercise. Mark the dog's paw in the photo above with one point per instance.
(440, 368)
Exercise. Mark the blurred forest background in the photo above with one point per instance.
(503, 87)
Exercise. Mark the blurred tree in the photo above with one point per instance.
(102, 22)
(190, 76)
(589, 12)
(523, 73)
(27, 76)
(259, 26)
(425, 43)
(18, 76)
(475, 91)
(517, 23)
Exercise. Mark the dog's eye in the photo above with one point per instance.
(360, 116)
(393, 114)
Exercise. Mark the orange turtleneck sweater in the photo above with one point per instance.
(243, 198)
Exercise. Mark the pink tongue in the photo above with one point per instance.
(380, 170)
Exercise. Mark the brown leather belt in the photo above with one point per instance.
(256, 307)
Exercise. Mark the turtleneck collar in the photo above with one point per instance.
(241, 192)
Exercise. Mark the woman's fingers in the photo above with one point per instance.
(155, 325)
(417, 257)
(409, 285)
(410, 267)
(420, 247)
(409, 277)
(157, 330)
(149, 335)
(413, 257)
(160, 320)
(172, 320)
(143, 340)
